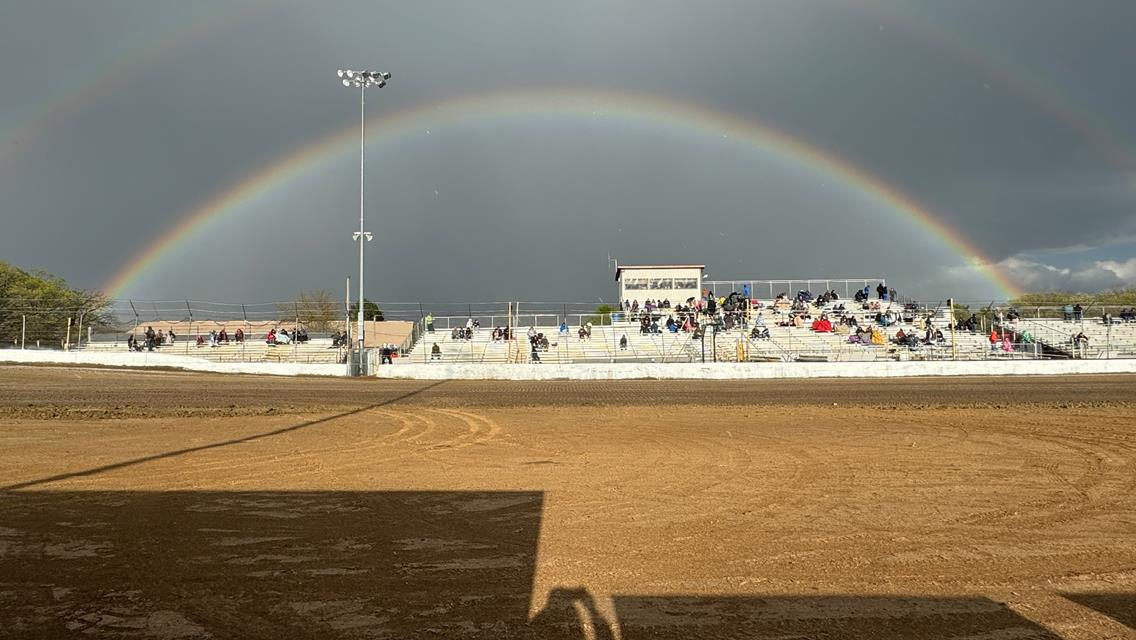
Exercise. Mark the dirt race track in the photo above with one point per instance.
(177, 505)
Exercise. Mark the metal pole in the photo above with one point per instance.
(67, 343)
(951, 324)
(362, 229)
(23, 331)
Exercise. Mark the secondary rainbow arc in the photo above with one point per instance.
(263, 183)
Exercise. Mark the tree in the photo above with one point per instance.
(1062, 298)
(46, 302)
(316, 309)
(371, 311)
(603, 314)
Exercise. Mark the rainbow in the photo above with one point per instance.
(95, 80)
(387, 130)
(1005, 75)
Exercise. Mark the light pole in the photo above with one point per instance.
(362, 80)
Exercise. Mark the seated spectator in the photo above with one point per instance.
(130, 342)
(759, 333)
(455, 334)
(563, 326)
(1080, 340)
(995, 340)
(877, 337)
(435, 352)
(223, 336)
(822, 324)
(200, 340)
(240, 336)
(213, 338)
(268, 339)
(623, 342)
(582, 333)
(283, 337)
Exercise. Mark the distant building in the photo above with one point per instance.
(674, 282)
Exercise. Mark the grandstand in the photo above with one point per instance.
(1036, 333)
(785, 343)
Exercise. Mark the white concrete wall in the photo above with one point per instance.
(598, 371)
(755, 370)
(148, 359)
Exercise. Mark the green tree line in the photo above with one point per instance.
(46, 303)
(1061, 298)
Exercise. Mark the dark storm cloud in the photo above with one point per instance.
(1011, 121)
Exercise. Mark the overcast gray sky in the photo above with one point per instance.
(1012, 122)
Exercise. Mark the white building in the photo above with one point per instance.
(674, 282)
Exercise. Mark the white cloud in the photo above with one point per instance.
(1092, 276)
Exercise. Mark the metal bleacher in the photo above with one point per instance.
(786, 343)
(315, 351)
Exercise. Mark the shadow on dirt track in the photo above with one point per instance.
(375, 564)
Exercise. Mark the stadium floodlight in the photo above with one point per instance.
(362, 80)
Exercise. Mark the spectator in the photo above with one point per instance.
(268, 339)
(239, 336)
(1080, 340)
(435, 352)
(564, 326)
(1078, 312)
(623, 342)
(385, 354)
(1067, 313)
(430, 322)
(881, 291)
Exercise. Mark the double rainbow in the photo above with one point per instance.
(569, 105)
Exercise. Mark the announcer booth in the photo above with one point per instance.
(673, 282)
